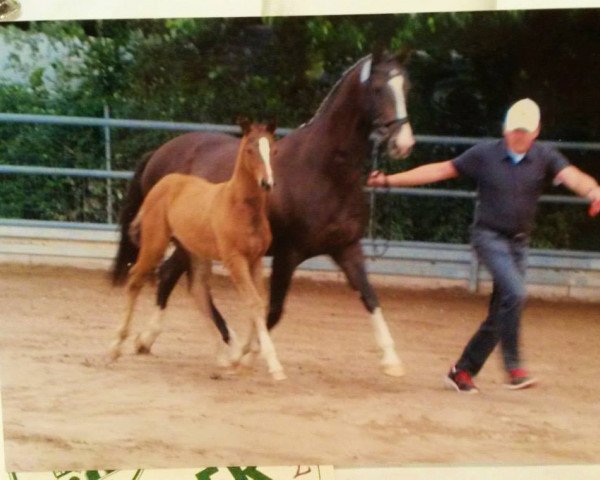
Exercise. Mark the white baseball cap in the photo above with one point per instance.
(522, 115)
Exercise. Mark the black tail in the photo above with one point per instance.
(128, 251)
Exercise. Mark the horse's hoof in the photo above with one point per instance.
(229, 371)
(248, 360)
(142, 350)
(113, 354)
(140, 347)
(394, 370)
(279, 376)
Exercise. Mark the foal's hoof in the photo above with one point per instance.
(248, 359)
(140, 347)
(114, 353)
(278, 375)
(394, 370)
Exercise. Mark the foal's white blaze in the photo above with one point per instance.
(265, 152)
(391, 363)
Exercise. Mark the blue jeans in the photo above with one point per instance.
(505, 257)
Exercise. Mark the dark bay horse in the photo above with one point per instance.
(318, 206)
(213, 221)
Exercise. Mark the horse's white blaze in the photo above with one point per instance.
(396, 83)
(265, 152)
(384, 340)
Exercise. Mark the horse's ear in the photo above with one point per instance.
(404, 54)
(272, 126)
(244, 123)
(378, 52)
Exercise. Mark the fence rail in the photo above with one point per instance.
(563, 273)
(398, 258)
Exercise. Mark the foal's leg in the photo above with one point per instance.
(352, 263)
(152, 251)
(134, 286)
(200, 290)
(170, 272)
(137, 277)
(243, 279)
(252, 347)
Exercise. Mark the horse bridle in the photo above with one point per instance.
(379, 133)
(378, 124)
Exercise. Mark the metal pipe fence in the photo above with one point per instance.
(108, 174)
(107, 123)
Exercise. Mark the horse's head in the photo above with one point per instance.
(257, 149)
(387, 84)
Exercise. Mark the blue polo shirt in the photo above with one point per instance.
(508, 192)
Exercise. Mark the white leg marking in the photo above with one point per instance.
(267, 350)
(145, 340)
(391, 363)
(251, 349)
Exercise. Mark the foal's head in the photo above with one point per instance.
(257, 148)
(387, 86)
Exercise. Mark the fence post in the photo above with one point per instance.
(474, 265)
(108, 159)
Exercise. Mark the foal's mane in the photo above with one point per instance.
(331, 95)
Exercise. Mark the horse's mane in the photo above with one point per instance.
(329, 97)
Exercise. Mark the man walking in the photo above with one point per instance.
(510, 175)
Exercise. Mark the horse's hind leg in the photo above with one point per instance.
(169, 273)
(243, 276)
(352, 263)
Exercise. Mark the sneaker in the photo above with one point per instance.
(461, 381)
(519, 378)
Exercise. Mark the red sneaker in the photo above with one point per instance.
(461, 381)
(519, 378)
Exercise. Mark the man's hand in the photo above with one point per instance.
(377, 179)
(594, 196)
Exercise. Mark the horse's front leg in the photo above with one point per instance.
(351, 261)
(243, 275)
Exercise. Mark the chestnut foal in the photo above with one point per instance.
(224, 221)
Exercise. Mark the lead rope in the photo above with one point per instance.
(378, 249)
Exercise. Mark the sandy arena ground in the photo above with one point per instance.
(65, 409)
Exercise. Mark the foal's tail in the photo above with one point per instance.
(128, 251)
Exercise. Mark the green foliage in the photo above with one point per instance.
(468, 68)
